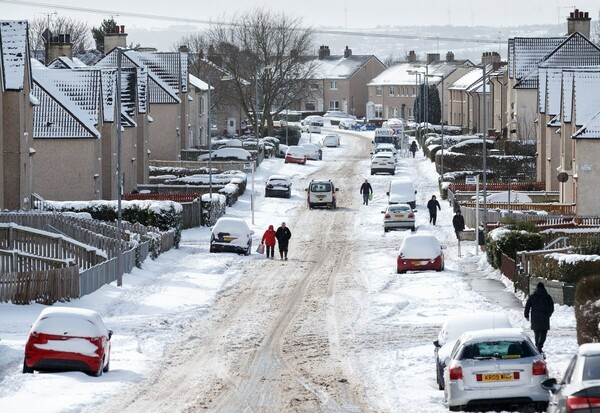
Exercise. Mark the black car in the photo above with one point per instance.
(579, 389)
(278, 186)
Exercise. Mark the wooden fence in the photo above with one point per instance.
(499, 186)
(45, 287)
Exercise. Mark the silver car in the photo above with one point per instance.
(398, 216)
(495, 369)
(579, 390)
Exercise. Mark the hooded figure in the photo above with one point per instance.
(413, 148)
(283, 236)
(541, 307)
(433, 206)
(458, 222)
(269, 240)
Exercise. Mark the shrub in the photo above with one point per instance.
(587, 309)
(529, 226)
(588, 247)
(561, 267)
(510, 243)
(212, 209)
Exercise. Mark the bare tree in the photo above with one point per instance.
(595, 37)
(269, 53)
(79, 31)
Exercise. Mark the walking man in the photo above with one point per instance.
(541, 306)
(458, 222)
(432, 204)
(366, 190)
(283, 236)
(413, 148)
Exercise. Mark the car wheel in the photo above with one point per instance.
(26, 369)
(385, 229)
(399, 271)
(372, 173)
(212, 249)
(393, 173)
(285, 162)
(107, 367)
(100, 370)
(413, 229)
(455, 408)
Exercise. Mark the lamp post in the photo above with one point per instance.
(209, 138)
(484, 154)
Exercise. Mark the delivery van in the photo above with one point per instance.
(402, 191)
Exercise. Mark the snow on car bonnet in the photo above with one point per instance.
(230, 225)
(420, 246)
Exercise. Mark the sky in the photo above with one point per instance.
(157, 304)
(317, 13)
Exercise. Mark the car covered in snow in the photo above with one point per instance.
(313, 151)
(68, 338)
(420, 252)
(402, 191)
(498, 370)
(278, 186)
(454, 327)
(227, 153)
(231, 235)
(331, 140)
(295, 154)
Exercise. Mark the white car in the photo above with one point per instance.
(398, 216)
(495, 369)
(312, 119)
(452, 329)
(347, 124)
(313, 151)
(386, 147)
(383, 162)
(231, 235)
(331, 140)
(230, 153)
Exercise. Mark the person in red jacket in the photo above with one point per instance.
(269, 240)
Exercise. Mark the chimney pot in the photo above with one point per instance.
(122, 28)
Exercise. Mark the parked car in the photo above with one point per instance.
(314, 119)
(67, 338)
(227, 153)
(385, 147)
(451, 331)
(313, 151)
(331, 140)
(494, 369)
(321, 194)
(402, 191)
(420, 252)
(295, 154)
(347, 124)
(278, 186)
(579, 389)
(231, 235)
(398, 216)
(338, 114)
(383, 162)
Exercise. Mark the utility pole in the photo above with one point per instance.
(119, 170)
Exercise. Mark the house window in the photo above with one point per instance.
(334, 105)
(333, 85)
(314, 86)
(310, 105)
(378, 111)
(414, 91)
(392, 90)
(410, 113)
(378, 91)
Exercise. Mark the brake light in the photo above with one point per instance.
(539, 368)
(455, 373)
(411, 215)
(575, 403)
(387, 216)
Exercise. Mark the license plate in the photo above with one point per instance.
(320, 197)
(228, 239)
(398, 216)
(419, 262)
(498, 377)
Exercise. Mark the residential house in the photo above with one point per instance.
(16, 122)
(198, 113)
(340, 82)
(392, 93)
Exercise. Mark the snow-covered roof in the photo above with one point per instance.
(200, 84)
(402, 73)
(467, 80)
(14, 52)
(524, 53)
(64, 62)
(549, 90)
(586, 99)
(339, 67)
(591, 130)
(575, 50)
(69, 103)
(567, 93)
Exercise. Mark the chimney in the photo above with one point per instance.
(324, 52)
(59, 46)
(490, 58)
(411, 56)
(184, 49)
(579, 21)
(214, 57)
(347, 52)
(116, 39)
(432, 57)
(449, 57)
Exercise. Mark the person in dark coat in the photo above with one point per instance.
(283, 236)
(458, 222)
(366, 189)
(413, 148)
(269, 240)
(431, 206)
(541, 307)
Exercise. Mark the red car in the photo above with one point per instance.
(420, 252)
(295, 154)
(65, 338)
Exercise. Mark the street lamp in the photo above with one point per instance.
(209, 137)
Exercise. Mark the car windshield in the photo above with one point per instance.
(497, 349)
(320, 187)
(400, 208)
(591, 368)
(280, 182)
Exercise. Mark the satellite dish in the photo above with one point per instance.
(562, 177)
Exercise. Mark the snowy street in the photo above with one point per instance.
(332, 329)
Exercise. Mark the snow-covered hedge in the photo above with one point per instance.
(569, 268)
(213, 208)
(587, 309)
(509, 242)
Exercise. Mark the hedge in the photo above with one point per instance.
(510, 243)
(558, 266)
(587, 309)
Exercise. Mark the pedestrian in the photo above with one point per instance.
(481, 236)
(268, 239)
(432, 204)
(283, 236)
(413, 148)
(458, 222)
(541, 306)
(366, 190)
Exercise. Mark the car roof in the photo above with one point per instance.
(399, 206)
(589, 349)
(385, 154)
(320, 181)
(70, 311)
(283, 177)
(498, 333)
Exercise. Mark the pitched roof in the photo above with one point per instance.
(340, 67)
(591, 129)
(549, 91)
(524, 53)
(64, 62)
(567, 93)
(586, 98)
(69, 103)
(575, 50)
(200, 84)
(398, 73)
(14, 52)
(467, 80)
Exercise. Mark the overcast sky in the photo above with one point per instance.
(338, 13)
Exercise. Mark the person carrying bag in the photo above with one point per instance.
(268, 240)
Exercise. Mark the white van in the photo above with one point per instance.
(402, 191)
(314, 127)
(321, 194)
(384, 135)
(331, 140)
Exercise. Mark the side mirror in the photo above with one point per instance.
(387, 193)
(337, 189)
(415, 191)
(442, 247)
(415, 211)
(110, 333)
(306, 189)
(383, 212)
(437, 343)
(251, 232)
(551, 385)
